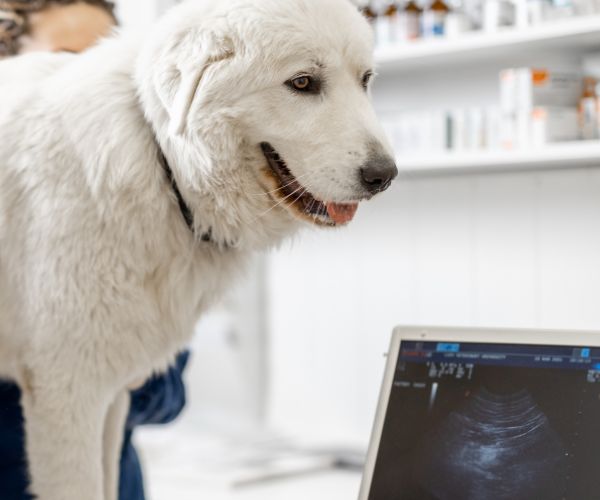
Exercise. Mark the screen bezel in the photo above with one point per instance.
(570, 338)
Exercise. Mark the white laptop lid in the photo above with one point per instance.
(487, 414)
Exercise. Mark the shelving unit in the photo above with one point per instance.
(578, 35)
(432, 59)
(568, 155)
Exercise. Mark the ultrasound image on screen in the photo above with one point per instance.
(491, 422)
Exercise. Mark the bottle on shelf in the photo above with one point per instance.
(387, 25)
(410, 20)
(559, 9)
(588, 110)
(586, 7)
(499, 14)
(537, 11)
(474, 9)
(457, 20)
(364, 6)
(434, 19)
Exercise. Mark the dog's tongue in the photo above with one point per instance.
(342, 213)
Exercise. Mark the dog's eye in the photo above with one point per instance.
(301, 83)
(366, 79)
(304, 84)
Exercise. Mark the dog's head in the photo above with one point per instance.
(278, 89)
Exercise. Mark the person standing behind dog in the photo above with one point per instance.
(53, 25)
(73, 26)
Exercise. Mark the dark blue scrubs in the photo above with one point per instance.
(159, 402)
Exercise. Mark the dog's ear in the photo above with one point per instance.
(177, 87)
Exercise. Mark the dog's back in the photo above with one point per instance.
(77, 165)
(19, 78)
(31, 68)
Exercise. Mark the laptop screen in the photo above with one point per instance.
(491, 421)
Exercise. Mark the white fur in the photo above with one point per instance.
(101, 281)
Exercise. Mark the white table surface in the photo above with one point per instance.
(184, 464)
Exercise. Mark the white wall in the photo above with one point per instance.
(228, 370)
(140, 13)
(503, 249)
(520, 250)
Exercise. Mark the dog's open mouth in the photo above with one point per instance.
(291, 192)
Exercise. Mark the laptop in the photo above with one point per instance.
(487, 414)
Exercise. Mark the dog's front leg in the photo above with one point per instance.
(64, 421)
(114, 428)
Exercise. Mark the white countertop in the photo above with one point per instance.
(187, 464)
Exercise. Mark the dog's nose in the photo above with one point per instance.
(378, 173)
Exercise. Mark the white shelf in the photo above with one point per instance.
(576, 34)
(567, 155)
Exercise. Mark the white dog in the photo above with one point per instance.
(136, 179)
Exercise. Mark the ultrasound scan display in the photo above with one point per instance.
(491, 422)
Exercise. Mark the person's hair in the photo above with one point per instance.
(13, 19)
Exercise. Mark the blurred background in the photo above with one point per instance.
(492, 107)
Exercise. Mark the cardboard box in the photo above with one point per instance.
(546, 87)
(554, 124)
(526, 88)
(553, 93)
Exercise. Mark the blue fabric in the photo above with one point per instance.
(159, 401)
(13, 466)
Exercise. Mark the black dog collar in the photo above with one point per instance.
(185, 210)
(183, 207)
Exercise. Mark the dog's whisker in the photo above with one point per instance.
(300, 195)
(328, 197)
(310, 207)
(274, 191)
(283, 200)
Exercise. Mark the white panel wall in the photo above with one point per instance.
(140, 13)
(502, 249)
(516, 250)
(228, 370)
